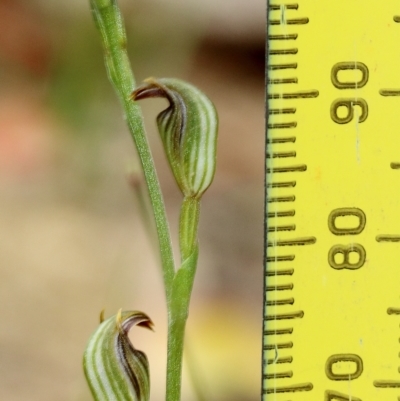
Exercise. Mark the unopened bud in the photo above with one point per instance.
(114, 369)
(188, 129)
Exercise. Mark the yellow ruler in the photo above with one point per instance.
(332, 271)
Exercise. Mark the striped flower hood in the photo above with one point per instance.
(188, 129)
(114, 369)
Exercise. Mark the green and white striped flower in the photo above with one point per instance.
(188, 128)
(114, 369)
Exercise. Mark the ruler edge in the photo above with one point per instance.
(265, 234)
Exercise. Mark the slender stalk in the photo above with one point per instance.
(176, 334)
(178, 283)
(110, 24)
(188, 224)
(182, 289)
(188, 129)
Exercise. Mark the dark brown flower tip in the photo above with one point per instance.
(139, 319)
(144, 92)
(150, 88)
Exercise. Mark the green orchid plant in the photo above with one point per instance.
(188, 127)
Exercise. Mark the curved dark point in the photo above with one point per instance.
(146, 91)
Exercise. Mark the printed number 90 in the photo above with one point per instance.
(349, 103)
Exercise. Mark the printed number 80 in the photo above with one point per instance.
(346, 250)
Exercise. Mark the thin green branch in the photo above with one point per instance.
(192, 162)
(188, 226)
(177, 317)
(110, 24)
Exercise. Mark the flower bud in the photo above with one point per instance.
(188, 129)
(114, 369)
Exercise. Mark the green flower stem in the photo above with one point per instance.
(110, 24)
(188, 224)
(182, 289)
(178, 285)
(176, 334)
(178, 314)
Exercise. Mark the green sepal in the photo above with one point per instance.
(114, 369)
(188, 129)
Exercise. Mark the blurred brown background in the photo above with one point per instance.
(71, 238)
